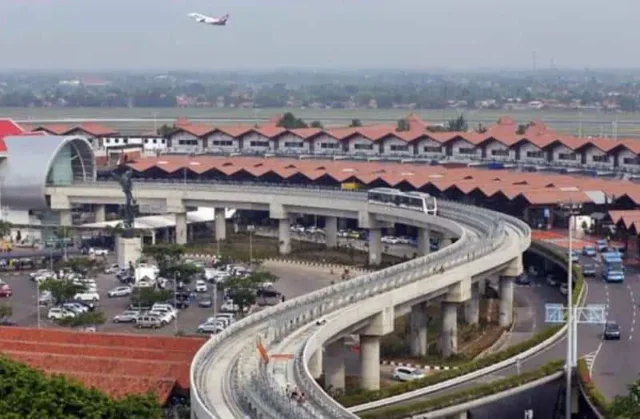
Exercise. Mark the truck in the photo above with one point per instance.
(612, 267)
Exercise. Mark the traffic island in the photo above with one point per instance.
(243, 246)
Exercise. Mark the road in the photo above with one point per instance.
(615, 364)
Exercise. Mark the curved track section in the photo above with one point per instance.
(227, 378)
(224, 386)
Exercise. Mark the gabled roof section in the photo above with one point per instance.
(93, 129)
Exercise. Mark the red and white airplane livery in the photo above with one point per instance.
(215, 21)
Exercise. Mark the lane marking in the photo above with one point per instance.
(591, 358)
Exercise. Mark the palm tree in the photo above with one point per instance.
(116, 230)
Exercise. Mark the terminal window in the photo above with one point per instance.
(295, 144)
(602, 158)
(535, 154)
(502, 153)
(188, 142)
(363, 146)
(631, 160)
(566, 156)
(432, 149)
(222, 143)
(466, 150)
(259, 143)
(395, 147)
(329, 145)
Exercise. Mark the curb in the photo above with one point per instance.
(422, 367)
(498, 344)
(290, 261)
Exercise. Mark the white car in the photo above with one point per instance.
(201, 286)
(119, 292)
(165, 308)
(210, 328)
(75, 307)
(230, 307)
(42, 274)
(165, 316)
(407, 374)
(58, 313)
(129, 316)
(87, 297)
(98, 252)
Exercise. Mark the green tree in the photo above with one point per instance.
(243, 290)
(169, 258)
(289, 121)
(88, 318)
(5, 228)
(28, 393)
(165, 130)
(403, 125)
(316, 124)
(6, 311)
(147, 296)
(116, 230)
(457, 125)
(628, 406)
(481, 129)
(522, 129)
(355, 123)
(61, 289)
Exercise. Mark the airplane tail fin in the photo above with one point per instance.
(224, 18)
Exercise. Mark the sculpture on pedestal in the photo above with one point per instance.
(129, 207)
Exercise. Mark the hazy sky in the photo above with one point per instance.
(156, 34)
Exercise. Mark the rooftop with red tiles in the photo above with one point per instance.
(534, 188)
(117, 364)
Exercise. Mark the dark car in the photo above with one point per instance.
(7, 322)
(612, 331)
(589, 269)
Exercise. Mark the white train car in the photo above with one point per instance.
(418, 201)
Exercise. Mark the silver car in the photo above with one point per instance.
(129, 316)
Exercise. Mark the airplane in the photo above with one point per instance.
(216, 21)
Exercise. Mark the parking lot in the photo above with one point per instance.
(295, 280)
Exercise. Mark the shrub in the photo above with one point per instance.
(598, 400)
(463, 396)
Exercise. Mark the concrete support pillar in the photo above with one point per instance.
(65, 218)
(315, 364)
(334, 371)
(375, 246)
(284, 236)
(331, 232)
(444, 242)
(221, 224)
(181, 228)
(424, 245)
(369, 362)
(153, 238)
(100, 213)
(472, 306)
(449, 330)
(506, 300)
(418, 329)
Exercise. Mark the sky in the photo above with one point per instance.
(319, 34)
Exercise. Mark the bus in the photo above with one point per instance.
(612, 267)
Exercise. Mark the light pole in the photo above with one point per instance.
(38, 301)
(572, 326)
(176, 275)
(250, 229)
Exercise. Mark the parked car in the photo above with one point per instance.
(129, 316)
(201, 286)
(113, 269)
(148, 321)
(87, 296)
(407, 374)
(589, 251)
(205, 302)
(210, 328)
(602, 245)
(5, 289)
(612, 331)
(59, 313)
(120, 292)
(98, 252)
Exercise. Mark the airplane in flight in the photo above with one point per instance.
(215, 21)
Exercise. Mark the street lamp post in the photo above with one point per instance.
(38, 301)
(250, 229)
(175, 299)
(572, 328)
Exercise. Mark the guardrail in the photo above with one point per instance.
(251, 389)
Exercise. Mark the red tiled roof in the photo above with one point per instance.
(535, 188)
(628, 218)
(117, 364)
